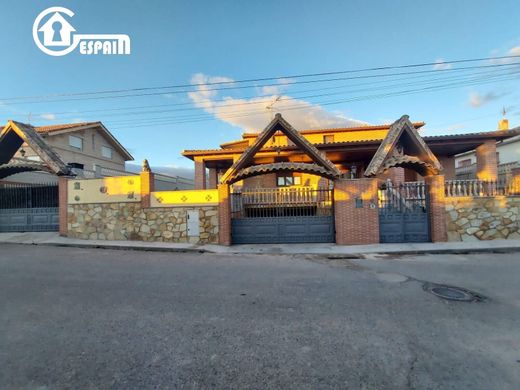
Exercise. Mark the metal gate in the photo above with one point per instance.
(28, 207)
(403, 212)
(282, 215)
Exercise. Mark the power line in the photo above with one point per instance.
(326, 103)
(226, 102)
(46, 97)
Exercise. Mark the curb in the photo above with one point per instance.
(195, 249)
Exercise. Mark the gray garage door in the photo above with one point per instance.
(28, 207)
(282, 215)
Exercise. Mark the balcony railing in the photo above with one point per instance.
(482, 188)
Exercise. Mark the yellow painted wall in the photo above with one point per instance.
(183, 198)
(107, 190)
(340, 136)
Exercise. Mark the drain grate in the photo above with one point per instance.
(452, 293)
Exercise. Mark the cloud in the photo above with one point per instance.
(49, 117)
(477, 99)
(441, 65)
(253, 114)
(514, 51)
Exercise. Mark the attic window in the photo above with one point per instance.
(106, 152)
(76, 142)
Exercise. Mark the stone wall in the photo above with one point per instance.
(489, 218)
(129, 221)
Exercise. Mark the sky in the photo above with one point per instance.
(192, 43)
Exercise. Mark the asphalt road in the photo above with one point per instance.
(90, 318)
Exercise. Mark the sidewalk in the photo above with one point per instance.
(53, 239)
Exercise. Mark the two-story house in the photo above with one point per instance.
(86, 146)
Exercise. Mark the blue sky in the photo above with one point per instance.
(178, 42)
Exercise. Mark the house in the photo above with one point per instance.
(350, 150)
(508, 157)
(85, 147)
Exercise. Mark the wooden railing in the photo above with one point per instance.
(283, 196)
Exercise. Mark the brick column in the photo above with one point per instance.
(487, 168)
(63, 203)
(147, 186)
(437, 209)
(448, 165)
(224, 215)
(515, 182)
(200, 175)
(213, 178)
(355, 211)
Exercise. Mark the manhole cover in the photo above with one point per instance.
(452, 293)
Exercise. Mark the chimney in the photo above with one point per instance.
(504, 122)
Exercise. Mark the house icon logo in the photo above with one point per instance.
(57, 31)
(60, 37)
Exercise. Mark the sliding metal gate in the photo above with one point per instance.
(28, 207)
(282, 215)
(403, 212)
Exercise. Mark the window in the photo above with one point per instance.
(76, 142)
(328, 139)
(76, 165)
(93, 142)
(287, 181)
(465, 163)
(106, 152)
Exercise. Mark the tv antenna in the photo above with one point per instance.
(270, 106)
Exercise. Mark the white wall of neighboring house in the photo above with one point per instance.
(509, 150)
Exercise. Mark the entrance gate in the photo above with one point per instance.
(28, 207)
(282, 215)
(403, 213)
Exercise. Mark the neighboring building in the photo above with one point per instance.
(507, 154)
(350, 149)
(87, 147)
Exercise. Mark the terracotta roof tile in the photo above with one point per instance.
(64, 126)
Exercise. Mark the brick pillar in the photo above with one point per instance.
(200, 175)
(63, 203)
(213, 178)
(355, 211)
(224, 215)
(487, 168)
(448, 165)
(437, 212)
(147, 186)
(396, 175)
(514, 185)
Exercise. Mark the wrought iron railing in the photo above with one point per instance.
(22, 195)
(278, 202)
(402, 196)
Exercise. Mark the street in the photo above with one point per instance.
(73, 318)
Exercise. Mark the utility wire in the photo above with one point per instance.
(226, 103)
(326, 103)
(44, 98)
